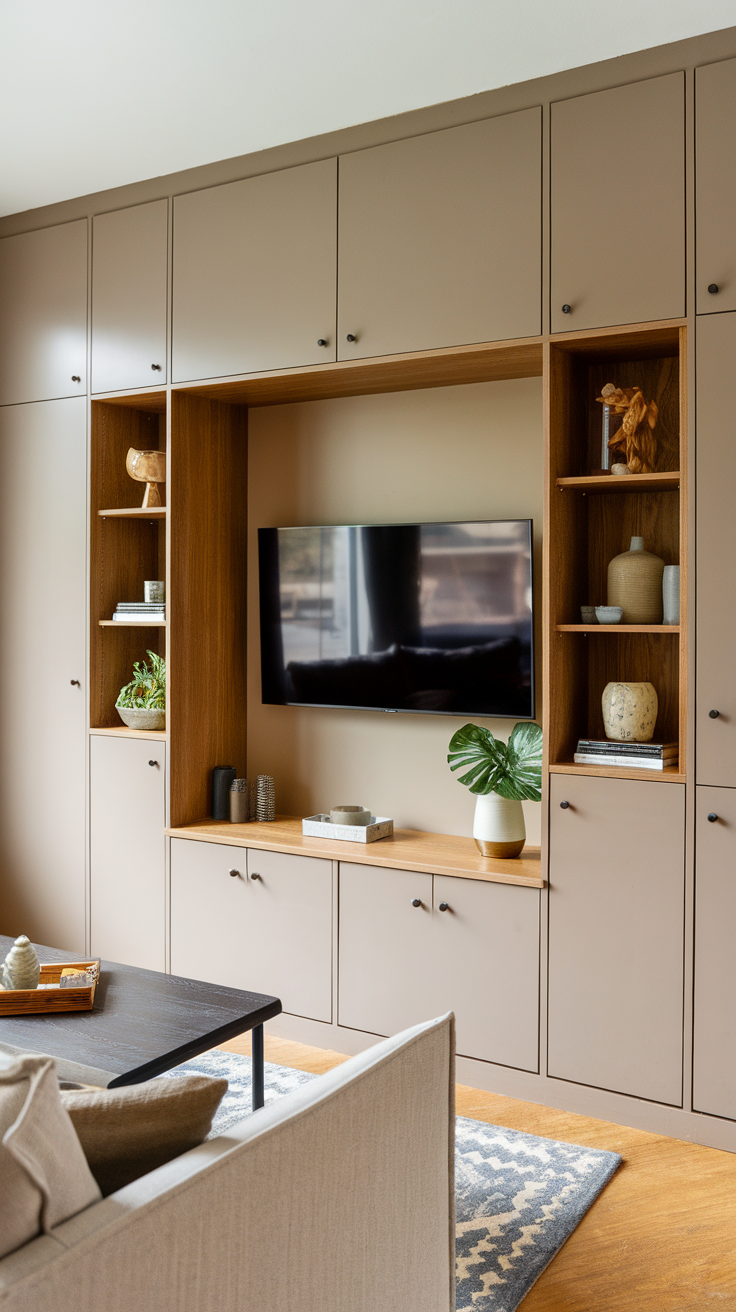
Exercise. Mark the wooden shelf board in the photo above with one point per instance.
(135, 512)
(618, 628)
(132, 624)
(660, 337)
(408, 849)
(160, 735)
(664, 482)
(152, 401)
(667, 776)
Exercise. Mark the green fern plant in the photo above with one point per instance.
(147, 689)
(513, 769)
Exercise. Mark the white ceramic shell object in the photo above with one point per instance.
(21, 968)
(629, 711)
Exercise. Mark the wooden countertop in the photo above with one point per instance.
(408, 849)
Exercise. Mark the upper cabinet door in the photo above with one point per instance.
(129, 275)
(43, 314)
(254, 274)
(715, 187)
(440, 239)
(618, 206)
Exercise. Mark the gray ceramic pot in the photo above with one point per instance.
(137, 718)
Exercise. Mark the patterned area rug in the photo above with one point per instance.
(518, 1197)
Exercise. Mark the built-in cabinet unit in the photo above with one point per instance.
(415, 944)
(616, 935)
(716, 553)
(714, 1043)
(254, 920)
(127, 850)
(715, 187)
(43, 456)
(254, 274)
(129, 282)
(617, 176)
(43, 324)
(440, 239)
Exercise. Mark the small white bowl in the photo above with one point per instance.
(608, 614)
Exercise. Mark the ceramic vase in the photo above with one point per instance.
(671, 594)
(629, 711)
(635, 584)
(498, 826)
(21, 969)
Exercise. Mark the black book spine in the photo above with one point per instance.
(222, 777)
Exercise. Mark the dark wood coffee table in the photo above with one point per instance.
(143, 1022)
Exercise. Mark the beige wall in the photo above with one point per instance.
(471, 452)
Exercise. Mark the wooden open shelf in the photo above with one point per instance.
(616, 484)
(160, 735)
(132, 624)
(672, 775)
(407, 849)
(135, 512)
(618, 628)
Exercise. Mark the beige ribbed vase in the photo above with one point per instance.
(635, 584)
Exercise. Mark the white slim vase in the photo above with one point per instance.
(498, 826)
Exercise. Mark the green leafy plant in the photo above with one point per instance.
(147, 689)
(512, 769)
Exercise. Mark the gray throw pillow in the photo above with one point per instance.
(125, 1133)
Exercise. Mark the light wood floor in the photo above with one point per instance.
(662, 1235)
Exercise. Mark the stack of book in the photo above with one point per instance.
(639, 756)
(137, 612)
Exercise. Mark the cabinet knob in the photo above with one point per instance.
(567, 309)
(156, 368)
(75, 683)
(714, 714)
(234, 874)
(255, 875)
(321, 341)
(76, 378)
(352, 337)
(153, 762)
(713, 288)
(564, 806)
(712, 817)
(416, 901)
(444, 906)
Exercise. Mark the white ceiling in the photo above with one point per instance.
(98, 93)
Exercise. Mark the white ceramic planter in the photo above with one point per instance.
(498, 826)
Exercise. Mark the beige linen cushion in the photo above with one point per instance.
(44, 1178)
(125, 1133)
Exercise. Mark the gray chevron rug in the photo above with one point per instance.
(518, 1197)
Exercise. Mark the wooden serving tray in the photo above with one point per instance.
(24, 1002)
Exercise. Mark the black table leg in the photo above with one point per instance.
(257, 1066)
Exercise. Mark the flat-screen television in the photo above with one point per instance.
(433, 618)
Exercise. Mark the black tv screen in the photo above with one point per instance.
(433, 618)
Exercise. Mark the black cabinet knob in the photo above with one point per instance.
(321, 341)
(564, 806)
(76, 378)
(416, 901)
(714, 714)
(156, 368)
(153, 762)
(712, 817)
(255, 875)
(75, 683)
(567, 309)
(444, 906)
(234, 874)
(713, 288)
(352, 337)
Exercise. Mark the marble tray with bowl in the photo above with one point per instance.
(321, 826)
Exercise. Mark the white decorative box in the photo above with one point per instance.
(320, 826)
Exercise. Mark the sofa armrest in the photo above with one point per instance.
(337, 1198)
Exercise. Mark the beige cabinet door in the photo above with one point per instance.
(715, 187)
(715, 702)
(485, 966)
(129, 280)
(254, 920)
(254, 273)
(127, 853)
(440, 238)
(43, 737)
(386, 949)
(714, 1040)
(616, 935)
(618, 205)
(43, 314)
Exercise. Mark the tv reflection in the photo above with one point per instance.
(414, 617)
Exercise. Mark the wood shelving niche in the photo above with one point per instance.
(591, 518)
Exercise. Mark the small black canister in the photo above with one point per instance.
(222, 777)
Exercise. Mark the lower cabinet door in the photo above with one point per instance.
(128, 897)
(254, 920)
(485, 968)
(714, 1043)
(385, 977)
(616, 934)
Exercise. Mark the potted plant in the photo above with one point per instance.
(141, 704)
(501, 775)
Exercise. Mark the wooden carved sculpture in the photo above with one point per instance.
(147, 467)
(634, 440)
